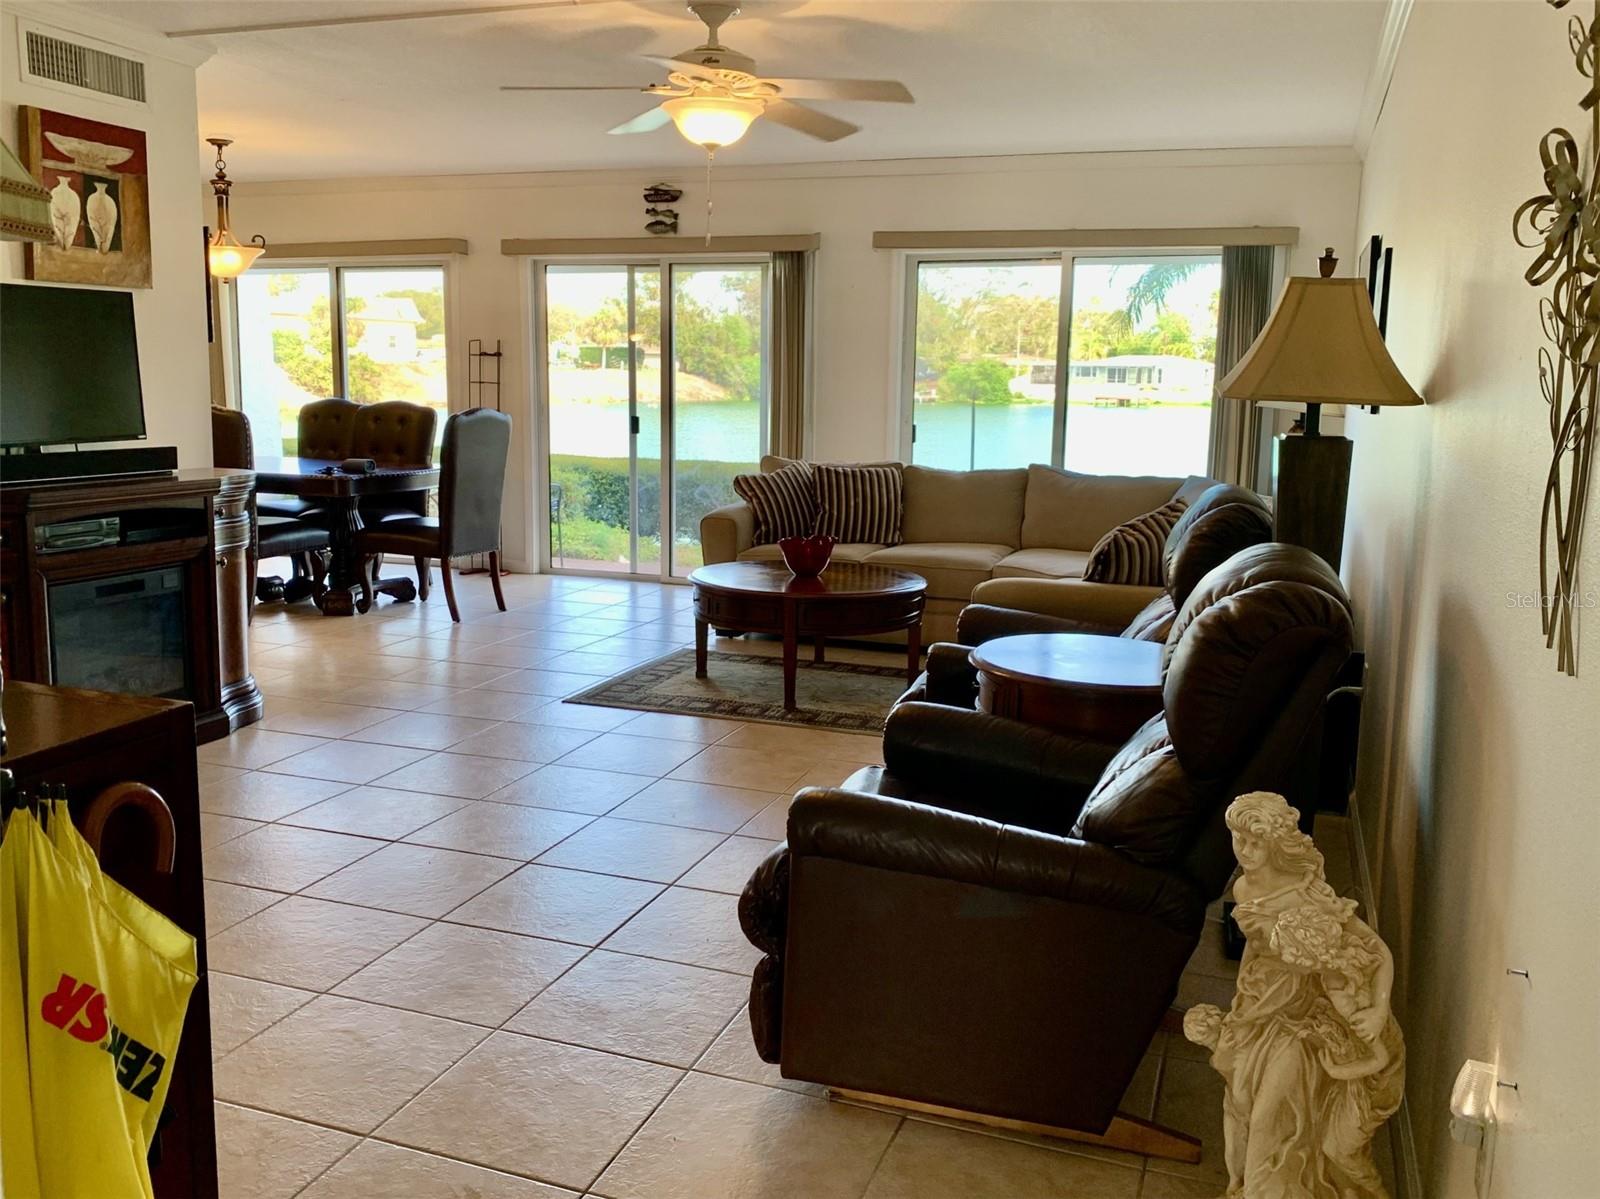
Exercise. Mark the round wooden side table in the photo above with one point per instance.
(1080, 683)
(847, 599)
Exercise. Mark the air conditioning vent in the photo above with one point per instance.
(61, 61)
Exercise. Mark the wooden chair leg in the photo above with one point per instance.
(365, 570)
(494, 578)
(449, 589)
(424, 576)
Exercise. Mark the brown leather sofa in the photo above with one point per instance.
(996, 920)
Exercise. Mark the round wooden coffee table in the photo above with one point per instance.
(846, 600)
(1100, 687)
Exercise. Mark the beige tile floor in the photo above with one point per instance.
(466, 939)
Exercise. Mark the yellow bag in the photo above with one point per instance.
(105, 984)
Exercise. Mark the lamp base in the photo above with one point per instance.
(1313, 488)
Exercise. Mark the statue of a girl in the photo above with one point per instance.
(1311, 1055)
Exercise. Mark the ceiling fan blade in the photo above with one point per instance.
(645, 122)
(572, 87)
(808, 121)
(377, 18)
(889, 90)
(686, 68)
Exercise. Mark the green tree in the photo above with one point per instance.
(983, 381)
(1150, 289)
(606, 325)
(723, 348)
(561, 324)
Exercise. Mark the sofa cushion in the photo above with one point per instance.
(1066, 510)
(783, 501)
(847, 551)
(1042, 564)
(952, 569)
(858, 503)
(1135, 551)
(970, 506)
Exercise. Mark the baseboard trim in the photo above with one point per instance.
(1407, 1174)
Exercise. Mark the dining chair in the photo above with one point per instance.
(472, 480)
(272, 535)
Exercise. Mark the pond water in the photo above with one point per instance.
(1156, 440)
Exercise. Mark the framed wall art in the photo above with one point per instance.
(97, 177)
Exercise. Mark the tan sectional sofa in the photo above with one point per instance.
(1025, 530)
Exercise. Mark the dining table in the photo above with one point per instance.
(328, 485)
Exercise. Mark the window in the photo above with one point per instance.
(369, 333)
(991, 382)
(981, 327)
(653, 371)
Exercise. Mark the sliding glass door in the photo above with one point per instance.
(719, 384)
(603, 378)
(1101, 364)
(622, 416)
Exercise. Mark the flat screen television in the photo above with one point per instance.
(69, 366)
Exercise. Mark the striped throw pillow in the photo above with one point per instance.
(1132, 552)
(859, 503)
(783, 501)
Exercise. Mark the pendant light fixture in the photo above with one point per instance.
(226, 258)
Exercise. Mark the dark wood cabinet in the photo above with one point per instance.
(189, 529)
(87, 741)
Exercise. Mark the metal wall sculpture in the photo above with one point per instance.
(1563, 225)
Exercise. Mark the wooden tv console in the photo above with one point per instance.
(201, 525)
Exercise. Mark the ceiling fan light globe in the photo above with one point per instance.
(713, 121)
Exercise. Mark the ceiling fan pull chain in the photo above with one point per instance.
(710, 155)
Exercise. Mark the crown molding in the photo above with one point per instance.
(1383, 67)
(786, 172)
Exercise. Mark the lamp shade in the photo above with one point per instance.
(226, 258)
(1321, 345)
(24, 204)
(713, 121)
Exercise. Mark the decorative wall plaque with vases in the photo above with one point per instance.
(97, 177)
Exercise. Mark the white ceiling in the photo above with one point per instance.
(990, 77)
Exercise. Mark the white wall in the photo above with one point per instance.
(1480, 772)
(170, 315)
(857, 293)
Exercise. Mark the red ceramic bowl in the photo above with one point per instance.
(806, 557)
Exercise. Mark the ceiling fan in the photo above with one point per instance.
(713, 93)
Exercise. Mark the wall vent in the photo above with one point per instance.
(58, 60)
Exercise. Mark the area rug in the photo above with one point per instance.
(829, 695)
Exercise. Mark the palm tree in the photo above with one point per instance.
(1150, 289)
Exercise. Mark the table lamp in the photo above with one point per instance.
(1321, 345)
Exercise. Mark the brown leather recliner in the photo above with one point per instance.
(995, 923)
